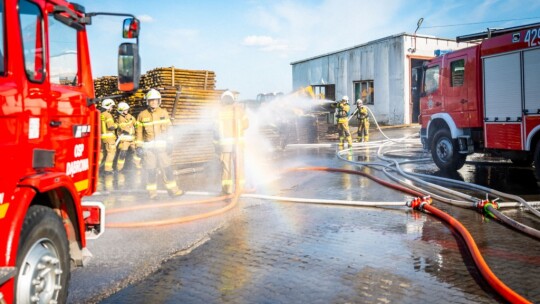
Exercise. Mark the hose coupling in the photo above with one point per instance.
(418, 203)
(483, 206)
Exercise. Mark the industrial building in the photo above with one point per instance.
(386, 73)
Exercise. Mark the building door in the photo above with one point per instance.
(416, 83)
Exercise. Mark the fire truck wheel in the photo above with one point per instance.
(43, 259)
(445, 152)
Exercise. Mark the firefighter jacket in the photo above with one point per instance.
(151, 129)
(126, 127)
(362, 113)
(232, 121)
(343, 112)
(107, 128)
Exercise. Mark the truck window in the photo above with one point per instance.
(2, 41)
(63, 53)
(457, 73)
(432, 79)
(31, 21)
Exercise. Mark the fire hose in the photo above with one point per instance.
(423, 203)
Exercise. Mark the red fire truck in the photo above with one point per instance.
(50, 143)
(484, 98)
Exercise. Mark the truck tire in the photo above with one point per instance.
(43, 260)
(444, 152)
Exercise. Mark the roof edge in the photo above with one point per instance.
(367, 43)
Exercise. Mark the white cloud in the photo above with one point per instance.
(145, 18)
(265, 43)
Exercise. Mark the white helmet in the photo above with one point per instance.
(359, 102)
(228, 97)
(122, 107)
(346, 98)
(107, 104)
(153, 94)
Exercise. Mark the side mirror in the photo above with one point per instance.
(131, 28)
(129, 67)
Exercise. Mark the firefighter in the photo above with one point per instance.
(363, 121)
(108, 138)
(126, 136)
(151, 140)
(228, 139)
(343, 109)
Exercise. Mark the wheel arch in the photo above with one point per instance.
(443, 120)
(61, 197)
(532, 140)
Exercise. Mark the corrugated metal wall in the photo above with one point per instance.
(385, 61)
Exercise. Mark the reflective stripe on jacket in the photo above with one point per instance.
(152, 125)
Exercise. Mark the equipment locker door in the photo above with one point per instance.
(503, 101)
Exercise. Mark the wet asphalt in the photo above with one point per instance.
(266, 251)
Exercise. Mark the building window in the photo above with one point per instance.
(63, 53)
(432, 79)
(364, 90)
(458, 73)
(326, 91)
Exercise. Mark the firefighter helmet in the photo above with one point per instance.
(122, 107)
(359, 102)
(227, 97)
(153, 94)
(345, 98)
(107, 104)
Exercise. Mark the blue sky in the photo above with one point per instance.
(251, 43)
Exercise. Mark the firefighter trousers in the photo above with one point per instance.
(344, 133)
(158, 159)
(106, 156)
(363, 130)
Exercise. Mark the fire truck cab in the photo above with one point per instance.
(50, 144)
(484, 98)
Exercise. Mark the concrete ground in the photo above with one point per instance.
(265, 251)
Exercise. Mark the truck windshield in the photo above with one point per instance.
(63, 53)
(32, 33)
(431, 83)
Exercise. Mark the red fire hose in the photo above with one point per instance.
(423, 204)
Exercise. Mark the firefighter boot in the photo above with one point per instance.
(170, 183)
(366, 138)
(349, 141)
(151, 184)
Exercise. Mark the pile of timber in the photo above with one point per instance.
(189, 96)
(171, 76)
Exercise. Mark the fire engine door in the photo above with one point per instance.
(457, 98)
(35, 94)
(70, 119)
